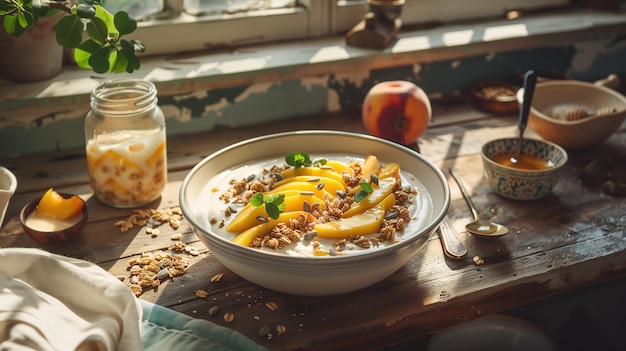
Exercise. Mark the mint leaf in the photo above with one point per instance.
(366, 189)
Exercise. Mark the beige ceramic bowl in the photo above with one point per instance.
(520, 184)
(296, 274)
(553, 100)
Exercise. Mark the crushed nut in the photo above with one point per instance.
(478, 260)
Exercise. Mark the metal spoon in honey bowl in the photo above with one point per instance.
(530, 79)
(478, 226)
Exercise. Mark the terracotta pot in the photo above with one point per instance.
(32, 56)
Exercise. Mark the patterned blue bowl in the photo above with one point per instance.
(521, 184)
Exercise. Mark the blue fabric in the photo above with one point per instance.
(165, 329)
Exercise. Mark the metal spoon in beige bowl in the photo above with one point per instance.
(478, 226)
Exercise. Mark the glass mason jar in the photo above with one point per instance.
(125, 137)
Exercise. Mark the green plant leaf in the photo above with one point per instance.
(41, 8)
(97, 30)
(99, 60)
(107, 17)
(124, 23)
(11, 25)
(69, 31)
(5, 6)
(133, 64)
(85, 11)
(26, 19)
(139, 47)
(83, 52)
(118, 61)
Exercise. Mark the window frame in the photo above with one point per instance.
(174, 31)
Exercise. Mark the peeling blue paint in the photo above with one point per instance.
(272, 101)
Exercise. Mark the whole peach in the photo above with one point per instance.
(397, 110)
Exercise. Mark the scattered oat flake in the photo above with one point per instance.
(201, 293)
(217, 277)
(271, 305)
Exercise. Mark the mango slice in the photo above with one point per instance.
(54, 205)
(329, 184)
(389, 170)
(247, 216)
(360, 224)
(312, 171)
(339, 167)
(306, 187)
(246, 237)
(384, 188)
(370, 166)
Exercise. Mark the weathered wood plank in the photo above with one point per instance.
(573, 238)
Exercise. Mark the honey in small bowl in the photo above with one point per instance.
(525, 162)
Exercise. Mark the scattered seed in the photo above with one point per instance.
(232, 208)
(201, 293)
(214, 310)
(217, 277)
(307, 193)
(320, 186)
(374, 179)
(341, 194)
(265, 329)
(229, 317)
(314, 180)
(310, 235)
(392, 214)
(281, 329)
(262, 219)
(278, 177)
(251, 177)
(478, 260)
(271, 305)
(163, 273)
(306, 207)
(332, 251)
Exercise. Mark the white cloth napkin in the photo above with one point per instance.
(52, 302)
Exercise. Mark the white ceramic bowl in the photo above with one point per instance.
(521, 184)
(552, 100)
(307, 275)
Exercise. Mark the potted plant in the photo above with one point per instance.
(102, 50)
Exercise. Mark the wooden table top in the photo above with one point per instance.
(571, 239)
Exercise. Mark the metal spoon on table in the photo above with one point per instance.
(452, 244)
(530, 80)
(478, 226)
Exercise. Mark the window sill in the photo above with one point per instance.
(249, 65)
(66, 97)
